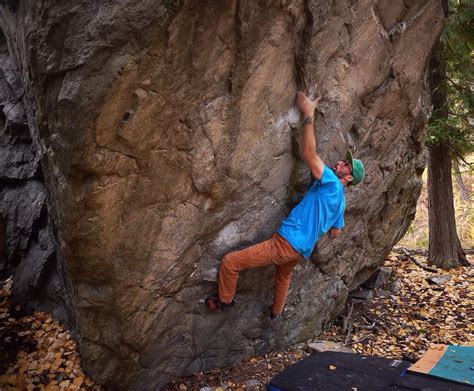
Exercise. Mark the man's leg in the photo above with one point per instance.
(282, 283)
(258, 255)
(286, 258)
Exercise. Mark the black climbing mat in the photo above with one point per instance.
(332, 371)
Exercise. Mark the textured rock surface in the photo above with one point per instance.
(166, 139)
(28, 248)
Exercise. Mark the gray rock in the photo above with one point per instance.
(362, 294)
(379, 278)
(253, 384)
(28, 247)
(439, 279)
(395, 286)
(328, 346)
(148, 191)
(382, 293)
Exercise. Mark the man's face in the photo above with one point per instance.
(342, 168)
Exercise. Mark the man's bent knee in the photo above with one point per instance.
(226, 262)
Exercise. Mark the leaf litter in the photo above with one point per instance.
(417, 308)
(36, 353)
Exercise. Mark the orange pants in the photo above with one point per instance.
(276, 251)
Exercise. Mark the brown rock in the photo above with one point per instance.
(147, 195)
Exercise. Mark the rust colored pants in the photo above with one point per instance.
(276, 251)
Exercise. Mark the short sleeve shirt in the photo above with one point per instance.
(321, 208)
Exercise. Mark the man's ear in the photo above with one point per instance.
(349, 178)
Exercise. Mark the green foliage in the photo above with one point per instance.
(457, 50)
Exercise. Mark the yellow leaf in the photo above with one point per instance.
(332, 367)
(78, 381)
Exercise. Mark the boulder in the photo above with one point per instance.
(164, 135)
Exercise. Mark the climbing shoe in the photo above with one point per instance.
(273, 316)
(213, 303)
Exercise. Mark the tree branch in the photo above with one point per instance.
(405, 252)
(457, 85)
(459, 114)
(458, 155)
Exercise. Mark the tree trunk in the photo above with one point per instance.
(444, 246)
(445, 249)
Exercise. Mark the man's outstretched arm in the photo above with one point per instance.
(308, 141)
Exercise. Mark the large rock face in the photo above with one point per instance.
(167, 136)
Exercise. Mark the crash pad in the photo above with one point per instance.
(450, 362)
(347, 371)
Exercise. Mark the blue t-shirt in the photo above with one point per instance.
(321, 208)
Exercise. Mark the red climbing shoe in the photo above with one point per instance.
(213, 303)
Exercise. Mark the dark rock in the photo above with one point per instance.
(438, 280)
(382, 293)
(379, 278)
(163, 136)
(3, 246)
(28, 246)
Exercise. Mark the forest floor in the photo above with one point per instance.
(398, 320)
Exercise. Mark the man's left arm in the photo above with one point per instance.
(336, 229)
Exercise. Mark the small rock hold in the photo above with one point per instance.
(140, 93)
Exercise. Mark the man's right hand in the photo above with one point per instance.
(306, 105)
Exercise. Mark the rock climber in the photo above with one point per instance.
(320, 211)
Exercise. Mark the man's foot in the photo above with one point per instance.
(274, 316)
(213, 303)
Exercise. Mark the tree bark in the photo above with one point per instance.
(445, 249)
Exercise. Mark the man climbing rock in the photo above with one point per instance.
(320, 211)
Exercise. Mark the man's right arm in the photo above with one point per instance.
(308, 141)
(310, 156)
